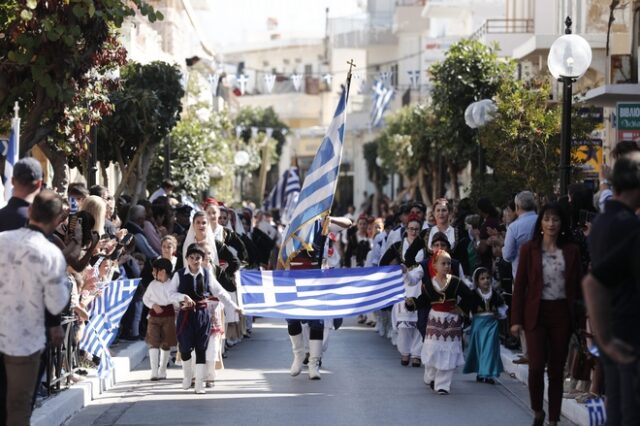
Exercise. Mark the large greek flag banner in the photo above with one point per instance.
(319, 293)
(316, 197)
(105, 313)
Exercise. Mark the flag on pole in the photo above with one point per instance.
(12, 151)
(382, 96)
(284, 195)
(316, 196)
(105, 314)
(319, 293)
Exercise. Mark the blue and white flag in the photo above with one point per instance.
(382, 96)
(284, 195)
(597, 412)
(316, 197)
(105, 314)
(13, 149)
(319, 293)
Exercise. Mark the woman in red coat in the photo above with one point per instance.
(545, 289)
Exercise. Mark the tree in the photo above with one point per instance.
(147, 107)
(260, 146)
(522, 143)
(47, 50)
(470, 72)
(408, 146)
(204, 143)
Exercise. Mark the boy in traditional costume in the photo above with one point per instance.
(194, 320)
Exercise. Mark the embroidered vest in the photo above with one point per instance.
(196, 291)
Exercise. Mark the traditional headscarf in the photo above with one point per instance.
(476, 275)
(191, 238)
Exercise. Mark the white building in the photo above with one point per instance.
(529, 29)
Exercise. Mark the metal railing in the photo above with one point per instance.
(62, 361)
(504, 26)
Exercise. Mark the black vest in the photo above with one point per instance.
(197, 292)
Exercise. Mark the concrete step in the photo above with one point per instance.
(572, 410)
(57, 409)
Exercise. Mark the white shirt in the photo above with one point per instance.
(160, 192)
(34, 277)
(215, 288)
(450, 233)
(377, 249)
(161, 294)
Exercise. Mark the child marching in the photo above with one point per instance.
(487, 307)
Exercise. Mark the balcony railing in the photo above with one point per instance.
(504, 26)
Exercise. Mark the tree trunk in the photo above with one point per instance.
(143, 165)
(453, 174)
(105, 175)
(422, 173)
(58, 161)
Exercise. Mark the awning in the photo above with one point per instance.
(610, 94)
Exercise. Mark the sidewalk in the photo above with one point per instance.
(577, 413)
(58, 408)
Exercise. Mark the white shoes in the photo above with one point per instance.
(201, 370)
(162, 369)
(315, 354)
(154, 355)
(187, 371)
(297, 345)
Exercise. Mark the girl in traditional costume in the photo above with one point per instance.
(483, 352)
(442, 349)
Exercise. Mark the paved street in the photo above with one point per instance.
(362, 383)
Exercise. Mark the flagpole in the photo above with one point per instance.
(351, 66)
(15, 123)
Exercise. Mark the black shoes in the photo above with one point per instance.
(442, 392)
(538, 420)
(486, 380)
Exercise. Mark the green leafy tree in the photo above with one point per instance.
(204, 143)
(47, 52)
(407, 146)
(147, 107)
(263, 151)
(470, 72)
(522, 143)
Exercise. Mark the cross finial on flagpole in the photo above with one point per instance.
(16, 110)
(351, 65)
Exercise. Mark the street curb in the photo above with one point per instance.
(58, 409)
(577, 413)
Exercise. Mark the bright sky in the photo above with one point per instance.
(243, 21)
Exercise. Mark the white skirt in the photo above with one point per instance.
(442, 347)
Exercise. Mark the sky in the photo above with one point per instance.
(233, 22)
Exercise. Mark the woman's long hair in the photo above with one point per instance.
(556, 209)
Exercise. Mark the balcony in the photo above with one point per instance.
(507, 33)
(408, 18)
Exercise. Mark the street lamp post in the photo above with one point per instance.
(241, 159)
(569, 58)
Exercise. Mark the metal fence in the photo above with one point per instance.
(504, 26)
(62, 361)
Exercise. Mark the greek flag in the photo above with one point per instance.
(319, 293)
(381, 99)
(105, 314)
(597, 412)
(11, 154)
(284, 195)
(316, 197)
